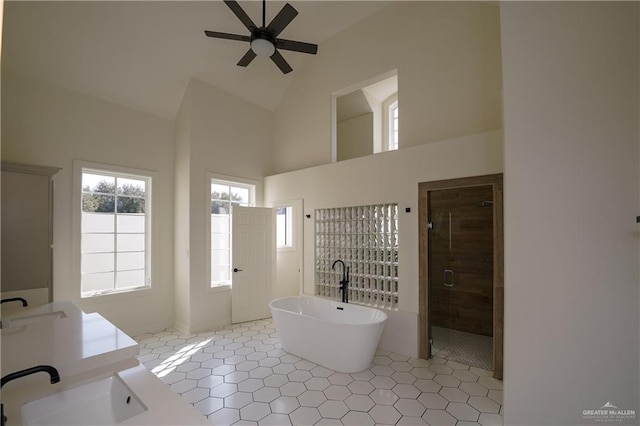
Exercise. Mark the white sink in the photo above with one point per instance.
(107, 401)
(31, 319)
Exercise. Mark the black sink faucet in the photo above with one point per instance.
(344, 283)
(53, 373)
(15, 299)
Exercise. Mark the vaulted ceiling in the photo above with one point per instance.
(141, 54)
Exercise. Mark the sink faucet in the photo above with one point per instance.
(53, 373)
(344, 283)
(15, 299)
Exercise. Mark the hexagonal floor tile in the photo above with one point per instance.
(360, 387)
(359, 403)
(439, 417)
(284, 404)
(340, 379)
(275, 420)
(292, 389)
(357, 418)
(305, 416)
(454, 394)
(484, 404)
(462, 411)
(384, 397)
(446, 380)
(238, 400)
(311, 398)
(410, 407)
(255, 411)
(333, 409)
(224, 416)
(337, 392)
(406, 391)
(209, 405)
(266, 394)
(385, 414)
(433, 401)
(223, 390)
(383, 382)
(474, 389)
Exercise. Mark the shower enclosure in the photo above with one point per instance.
(460, 274)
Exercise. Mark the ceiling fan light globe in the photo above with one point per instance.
(262, 47)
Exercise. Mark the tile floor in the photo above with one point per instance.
(239, 375)
(467, 348)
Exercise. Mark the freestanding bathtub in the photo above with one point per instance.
(340, 336)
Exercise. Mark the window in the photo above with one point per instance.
(225, 195)
(393, 126)
(115, 232)
(390, 128)
(284, 227)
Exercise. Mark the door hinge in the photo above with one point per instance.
(430, 225)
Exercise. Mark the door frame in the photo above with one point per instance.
(496, 183)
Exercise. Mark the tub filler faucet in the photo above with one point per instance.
(53, 374)
(344, 283)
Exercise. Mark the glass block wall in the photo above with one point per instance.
(366, 239)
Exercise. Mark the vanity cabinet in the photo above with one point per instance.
(27, 230)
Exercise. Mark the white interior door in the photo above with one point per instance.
(253, 261)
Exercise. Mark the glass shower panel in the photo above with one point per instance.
(441, 281)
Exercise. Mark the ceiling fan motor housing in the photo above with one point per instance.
(263, 43)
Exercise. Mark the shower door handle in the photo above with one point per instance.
(448, 273)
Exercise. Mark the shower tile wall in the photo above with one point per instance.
(468, 251)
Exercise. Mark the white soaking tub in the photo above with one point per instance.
(340, 336)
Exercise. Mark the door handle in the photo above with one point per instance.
(450, 283)
(237, 270)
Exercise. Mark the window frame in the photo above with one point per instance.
(252, 186)
(80, 167)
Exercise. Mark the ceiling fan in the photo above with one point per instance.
(264, 40)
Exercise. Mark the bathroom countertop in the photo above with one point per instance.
(73, 344)
(83, 348)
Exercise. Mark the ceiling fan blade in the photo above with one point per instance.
(227, 36)
(282, 19)
(241, 14)
(281, 63)
(247, 58)
(297, 46)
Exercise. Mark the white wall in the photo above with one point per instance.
(50, 126)
(385, 178)
(226, 136)
(448, 59)
(571, 197)
(355, 137)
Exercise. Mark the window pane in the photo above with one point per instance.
(130, 204)
(98, 203)
(129, 279)
(220, 274)
(133, 223)
(97, 243)
(220, 241)
(284, 228)
(240, 195)
(131, 242)
(219, 192)
(98, 183)
(220, 207)
(135, 187)
(97, 222)
(97, 262)
(219, 223)
(97, 282)
(129, 261)
(220, 257)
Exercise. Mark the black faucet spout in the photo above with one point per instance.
(16, 299)
(53, 374)
(344, 283)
